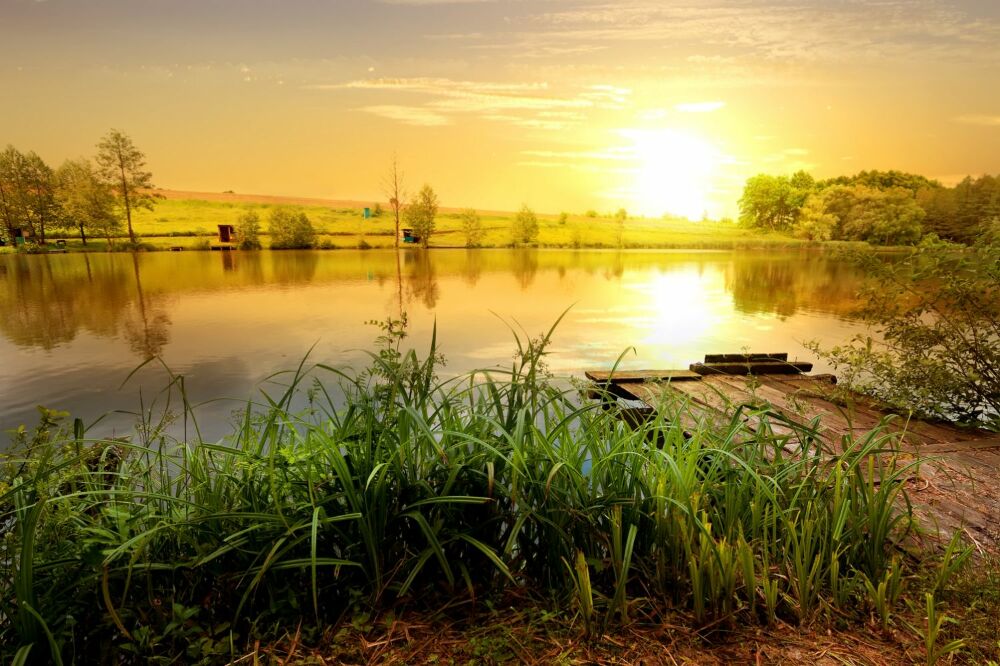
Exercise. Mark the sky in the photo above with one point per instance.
(564, 105)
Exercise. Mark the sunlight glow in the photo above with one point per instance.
(673, 173)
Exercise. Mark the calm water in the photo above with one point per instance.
(74, 326)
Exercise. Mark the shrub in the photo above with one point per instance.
(472, 227)
(248, 230)
(524, 229)
(290, 230)
(933, 346)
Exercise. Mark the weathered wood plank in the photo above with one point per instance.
(956, 489)
(620, 376)
(752, 368)
(743, 358)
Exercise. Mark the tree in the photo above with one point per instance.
(620, 216)
(248, 230)
(123, 167)
(421, 212)
(934, 347)
(525, 227)
(9, 204)
(88, 204)
(27, 193)
(814, 222)
(884, 217)
(773, 202)
(393, 189)
(472, 227)
(290, 230)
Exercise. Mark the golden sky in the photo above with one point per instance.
(655, 106)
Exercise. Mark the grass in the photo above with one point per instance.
(395, 491)
(173, 221)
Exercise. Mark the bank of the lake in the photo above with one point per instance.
(190, 220)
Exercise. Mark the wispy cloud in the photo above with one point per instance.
(979, 119)
(410, 115)
(526, 104)
(699, 107)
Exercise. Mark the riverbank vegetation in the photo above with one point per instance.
(933, 344)
(878, 207)
(112, 198)
(393, 493)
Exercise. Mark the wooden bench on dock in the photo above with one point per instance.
(958, 488)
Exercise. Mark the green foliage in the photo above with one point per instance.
(773, 202)
(377, 210)
(814, 222)
(27, 195)
(88, 204)
(934, 651)
(524, 229)
(248, 230)
(883, 217)
(290, 230)
(934, 343)
(122, 167)
(472, 227)
(421, 213)
(883, 180)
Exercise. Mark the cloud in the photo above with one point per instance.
(527, 104)
(985, 120)
(778, 31)
(699, 107)
(410, 115)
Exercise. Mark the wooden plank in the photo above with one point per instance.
(620, 376)
(743, 358)
(752, 368)
(977, 445)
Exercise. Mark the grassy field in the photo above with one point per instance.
(188, 219)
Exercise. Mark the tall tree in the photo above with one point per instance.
(393, 188)
(123, 166)
(421, 212)
(88, 204)
(27, 193)
(10, 205)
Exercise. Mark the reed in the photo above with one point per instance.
(393, 486)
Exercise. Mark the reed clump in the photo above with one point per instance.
(398, 487)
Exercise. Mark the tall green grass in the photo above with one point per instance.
(393, 486)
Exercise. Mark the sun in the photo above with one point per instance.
(674, 170)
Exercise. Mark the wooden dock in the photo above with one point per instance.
(957, 488)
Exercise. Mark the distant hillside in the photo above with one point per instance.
(236, 197)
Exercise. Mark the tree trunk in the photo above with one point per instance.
(128, 207)
(83, 235)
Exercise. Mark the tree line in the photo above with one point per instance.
(90, 197)
(880, 207)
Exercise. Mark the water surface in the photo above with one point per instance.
(74, 326)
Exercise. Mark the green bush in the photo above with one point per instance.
(933, 345)
(290, 230)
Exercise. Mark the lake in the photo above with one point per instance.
(74, 326)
